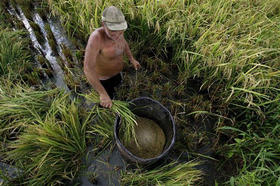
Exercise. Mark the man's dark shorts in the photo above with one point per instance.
(111, 83)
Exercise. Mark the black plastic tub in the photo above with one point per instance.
(148, 108)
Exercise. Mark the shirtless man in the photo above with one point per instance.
(104, 55)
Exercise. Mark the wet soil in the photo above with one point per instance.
(104, 170)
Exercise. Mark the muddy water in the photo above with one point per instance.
(61, 38)
(150, 138)
(45, 48)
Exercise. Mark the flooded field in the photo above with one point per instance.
(214, 65)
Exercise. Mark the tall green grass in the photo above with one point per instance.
(19, 106)
(256, 143)
(46, 133)
(77, 12)
(43, 133)
(15, 57)
(51, 147)
(170, 174)
(13, 52)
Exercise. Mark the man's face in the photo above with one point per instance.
(113, 34)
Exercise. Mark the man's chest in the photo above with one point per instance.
(113, 49)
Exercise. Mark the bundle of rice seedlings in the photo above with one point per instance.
(107, 116)
(50, 149)
(20, 106)
(13, 52)
(171, 174)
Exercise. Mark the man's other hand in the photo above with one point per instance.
(136, 64)
(105, 101)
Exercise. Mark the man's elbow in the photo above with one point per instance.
(89, 71)
(86, 69)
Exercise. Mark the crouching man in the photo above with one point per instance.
(104, 54)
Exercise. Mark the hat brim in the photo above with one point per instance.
(116, 26)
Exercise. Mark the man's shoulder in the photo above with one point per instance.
(96, 38)
(97, 34)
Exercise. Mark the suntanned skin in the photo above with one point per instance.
(104, 59)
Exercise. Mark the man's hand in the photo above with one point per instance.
(105, 101)
(136, 64)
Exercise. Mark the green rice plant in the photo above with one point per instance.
(248, 178)
(74, 12)
(15, 58)
(119, 108)
(235, 54)
(42, 9)
(170, 174)
(101, 131)
(20, 105)
(258, 147)
(50, 149)
(14, 55)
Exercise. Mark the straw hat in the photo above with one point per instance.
(114, 19)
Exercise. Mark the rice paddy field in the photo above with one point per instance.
(214, 64)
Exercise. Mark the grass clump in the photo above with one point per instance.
(20, 105)
(50, 149)
(170, 174)
(14, 55)
(107, 117)
(77, 12)
(257, 147)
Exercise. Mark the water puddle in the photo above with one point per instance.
(103, 170)
(9, 171)
(61, 38)
(44, 49)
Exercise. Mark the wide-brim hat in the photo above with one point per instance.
(114, 19)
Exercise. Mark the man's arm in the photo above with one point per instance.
(130, 57)
(92, 50)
